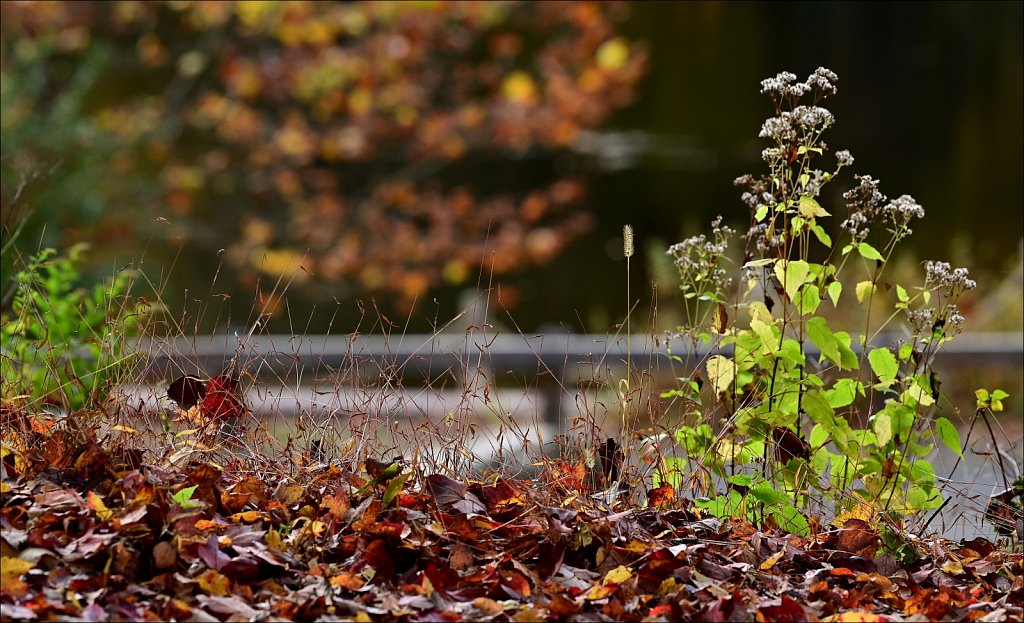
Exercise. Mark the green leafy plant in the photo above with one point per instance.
(780, 418)
(184, 499)
(65, 344)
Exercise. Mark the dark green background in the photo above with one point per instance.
(929, 102)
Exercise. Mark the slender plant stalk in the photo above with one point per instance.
(627, 250)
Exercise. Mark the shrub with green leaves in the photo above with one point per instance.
(66, 345)
(794, 409)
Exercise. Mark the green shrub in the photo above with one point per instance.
(66, 345)
(785, 391)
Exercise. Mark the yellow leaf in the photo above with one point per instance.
(770, 562)
(809, 208)
(855, 616)
(613, 54)
(519, 88)
(759, 311)
(274, 540)
(14, 567)
(95, 502)
(919, 394)
(214, 583)
(953, 566)
(612, 579)
(11, 570)
(282, 262)
(883, 428)
(865, 511)
(618, 575)
(864, 290)
(637, 547)
(792, 275)
(721, 372)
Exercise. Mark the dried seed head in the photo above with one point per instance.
(627, 240)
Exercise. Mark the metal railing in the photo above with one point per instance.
(551, 360)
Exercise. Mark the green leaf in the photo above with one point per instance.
(790, 519)
(817, 406)
(395, 487)
(901, 294)
(184, 497)
(920, 498)
(766, 332)
(819, 233)
(843, 393)
(820, 458)
(869, 252)
(791, 352)
(905, 351)
(996, 403)
(819, 435)
(743, 480)
(834, 290)
(822, 337)
(948, 435)
(864, 290)
(810, 299)
(761, 212)
(672, 472)
(847, 358)
(922, 473)
(884, 364)
(763, 492)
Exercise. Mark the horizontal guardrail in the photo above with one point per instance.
(522, 353)
(549, 359)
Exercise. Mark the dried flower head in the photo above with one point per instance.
(627, 240)
(822, 82)
(864, 202)
(757, 190)
(904, 208)
(701, 262)
(952, 282)
(780, 86)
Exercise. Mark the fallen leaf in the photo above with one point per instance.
(11, 571)
(214, 583)
(770, 561)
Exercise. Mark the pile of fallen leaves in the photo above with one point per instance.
(102, 535)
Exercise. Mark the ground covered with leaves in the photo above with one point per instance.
(99, 534)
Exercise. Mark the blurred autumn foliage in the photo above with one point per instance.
(389, 147)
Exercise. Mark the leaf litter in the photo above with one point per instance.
(108, 537)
